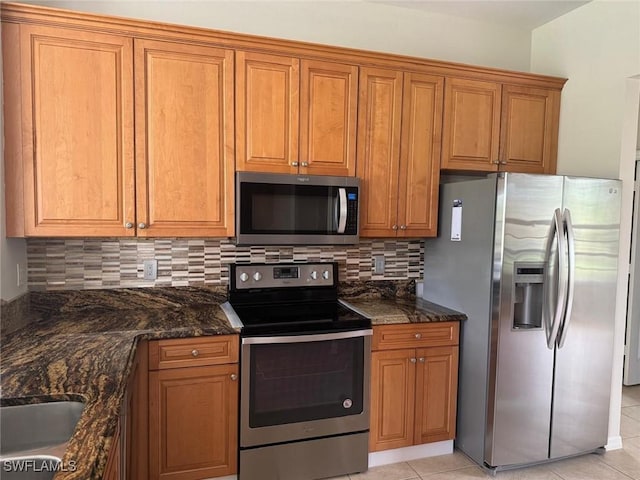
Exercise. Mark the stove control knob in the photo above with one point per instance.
(244, 277)
(314, 275)
(257, 276)
(326, 274)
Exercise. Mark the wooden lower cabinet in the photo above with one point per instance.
(413, 390)
(193, 421)
(113, 470)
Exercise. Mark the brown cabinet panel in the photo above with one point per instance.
(193, 352)
(114, 462)
(413, 335)
(193, 422)
(436, 389)
(267, 112)
(529, 129)
(379, 121)
(413, 390)
(328, 114)
(393, 377)
(77, 131)
(471, 131)
(137, 419)
(420, 155)
(185, 139)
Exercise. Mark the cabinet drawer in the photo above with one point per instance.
(389, 337)
(193, 352)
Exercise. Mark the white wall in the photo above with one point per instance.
(597, 47)
(12, 250)
(349, 23)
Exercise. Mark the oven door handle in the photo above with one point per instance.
(307, 338)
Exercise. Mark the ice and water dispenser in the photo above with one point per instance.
(528, 278)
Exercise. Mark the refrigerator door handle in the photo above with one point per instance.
(553, 316)
(571, 255)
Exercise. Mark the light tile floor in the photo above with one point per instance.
(615, 465)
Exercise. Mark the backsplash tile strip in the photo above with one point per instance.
(83, 264)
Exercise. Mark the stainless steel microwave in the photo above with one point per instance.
(280, 209)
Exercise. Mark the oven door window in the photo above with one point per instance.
(297, 382)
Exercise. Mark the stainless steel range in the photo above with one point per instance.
(305, 365)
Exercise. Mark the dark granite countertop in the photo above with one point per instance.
(82, 348)
(386, 311)
(83, 343)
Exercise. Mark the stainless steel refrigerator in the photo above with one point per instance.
(532, 260)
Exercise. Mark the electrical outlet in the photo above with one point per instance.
(150, 269)
(21, 274)
(378, 264)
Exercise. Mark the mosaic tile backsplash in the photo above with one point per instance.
(72, 264)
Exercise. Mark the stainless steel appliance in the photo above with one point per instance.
(532, 260)
(279, 209)
(305, 366)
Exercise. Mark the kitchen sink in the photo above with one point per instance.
(33, 438)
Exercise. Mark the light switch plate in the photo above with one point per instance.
(378, 264)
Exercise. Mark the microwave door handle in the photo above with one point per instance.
(342, 205)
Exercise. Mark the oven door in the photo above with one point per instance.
(304, 386)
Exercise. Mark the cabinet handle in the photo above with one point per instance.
(128, 225)
(421, 359)
(403, 227)
(142, 225)
(233, 377)
(305, 164)
(418, 335)
(496, 162)
(195, 352)
(394, 227)
(503, 162)
(412, 360)
(294, 164)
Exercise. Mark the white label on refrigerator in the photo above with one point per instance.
(456, 223)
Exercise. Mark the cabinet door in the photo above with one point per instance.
(471, 131)
(184, 140)
(193, 422)
(529, 132)
(328, 109)
(436, 394)
(77, 132)
(420, 155)
(267, 112)
(393, 376)
(379, 120)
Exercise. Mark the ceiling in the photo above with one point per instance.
(522, 14)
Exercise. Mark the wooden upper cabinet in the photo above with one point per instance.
(184, 140)
(529, 132)
(471, 131)
(379, 121)
(399, 138)
(267, 112)
(328, 111)
(420, 155)
(76, 114)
